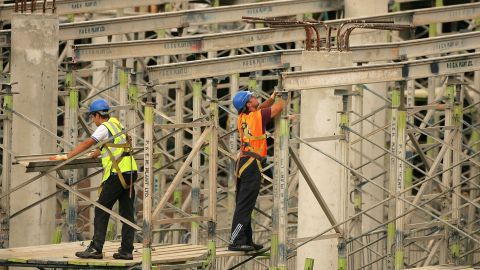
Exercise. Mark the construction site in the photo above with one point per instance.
(372, 163)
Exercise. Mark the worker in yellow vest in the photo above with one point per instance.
(252, 120)
(119, 174)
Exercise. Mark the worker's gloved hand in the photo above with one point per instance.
(59, 157)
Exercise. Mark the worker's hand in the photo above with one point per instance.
(59, 157)
(272, 96)
(92, 155)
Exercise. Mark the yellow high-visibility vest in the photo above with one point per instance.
(126, 163)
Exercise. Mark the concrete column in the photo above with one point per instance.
(319, 118)
(34, 67)
(364, 104)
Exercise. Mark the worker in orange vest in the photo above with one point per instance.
(252, 120)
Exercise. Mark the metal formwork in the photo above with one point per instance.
(183, 126)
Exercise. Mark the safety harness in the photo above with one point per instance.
(115, 152)
(246, 149)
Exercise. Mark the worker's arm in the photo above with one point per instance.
(267, 103)
(276, 108)
(80, 148)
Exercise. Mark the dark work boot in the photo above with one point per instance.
(256, 246)
(245, 248)
(122, 255)
(90, 253)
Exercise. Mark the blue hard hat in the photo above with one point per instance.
(98, 105)
(240, 99)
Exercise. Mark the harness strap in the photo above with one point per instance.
(115, 165)
(256, 138)
(125, 143)
(240, 171)
(246, 145)
(250, 154)
(259, 166)
(248, 163)
(118, 145)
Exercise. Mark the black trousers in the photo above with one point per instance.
(248, 186)
(112, 191)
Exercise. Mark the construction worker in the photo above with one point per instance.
(252, 120)
(119, 173)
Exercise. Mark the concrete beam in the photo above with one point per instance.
(234, 13)
(204, 16)
(79, 6)
(224, 66)
(305, 80)
(415, 48)
(265, 36)
(424, 16)
(187, 45)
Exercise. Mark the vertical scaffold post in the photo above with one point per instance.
(147, 182)
(392, 177)
(346, 95)
(179, 138)
(71, 135)
(212, 177)
(195, 193)
(342, 254)
(232, 147)
(474, 144)
(449, 93)
(435, 29)
(6, 161)
(276, 194)
(282, 137)
(159, 178)
(123, 91)
(455, 96)
(401, 141)
(410, 102)
(355, 103)
(133, 105)
(252, 82)
(308, 264)
(434, 116)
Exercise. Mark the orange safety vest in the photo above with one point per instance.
(253, 141)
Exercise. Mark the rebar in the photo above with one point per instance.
(343, 38)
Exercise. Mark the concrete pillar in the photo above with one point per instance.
(364, 104)
(34, 67)
(319, 118)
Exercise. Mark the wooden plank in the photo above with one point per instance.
(62, 255)
(444, 267)
(224, 252)
(82, 163)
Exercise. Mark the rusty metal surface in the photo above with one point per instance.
(343, 31)
(22, 6)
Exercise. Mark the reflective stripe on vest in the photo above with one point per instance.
(126, 163)
(252, 137)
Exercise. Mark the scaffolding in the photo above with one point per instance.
(184, 135)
